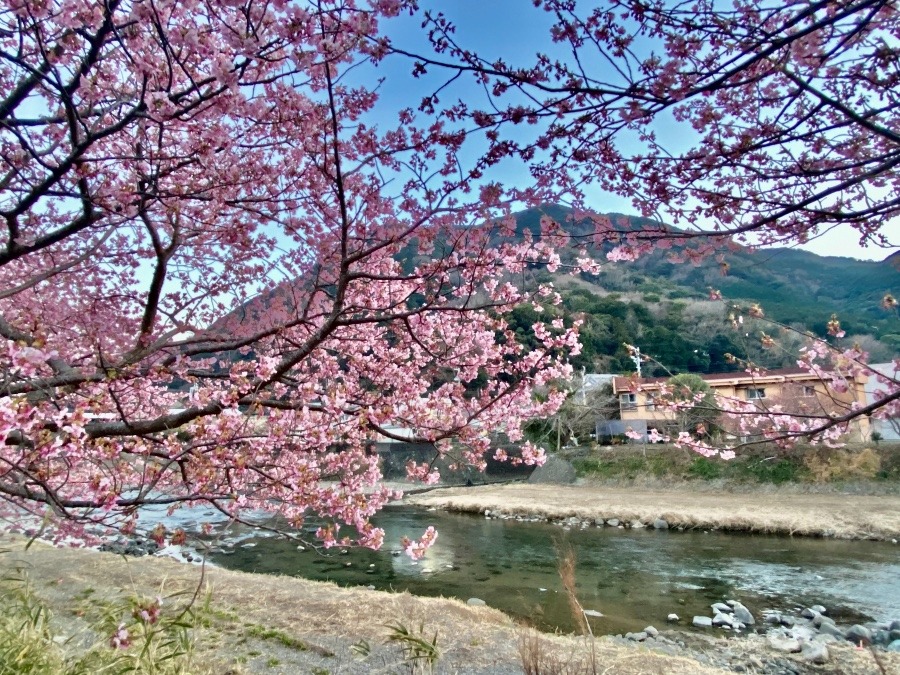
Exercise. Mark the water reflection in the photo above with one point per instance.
(634, 578)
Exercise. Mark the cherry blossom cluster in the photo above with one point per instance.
(221, 281)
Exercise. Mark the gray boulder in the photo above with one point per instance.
(702, 622)
(894, 646)
(830, 629)
(555, 470)
(881, 637)
(784, 644)
(818, 620)
(743, 614)
(721, 620)
(613, 522)
(773, 618)
(819, 609)
(672, 617)
(651, 631)
(475, 602)
(721, 607)
(814, 652)
(660, 524)
(859, 635)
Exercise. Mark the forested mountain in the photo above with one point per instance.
(662, 307)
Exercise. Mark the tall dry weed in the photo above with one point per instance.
(566, 565)
(539, 657)
(828, 464)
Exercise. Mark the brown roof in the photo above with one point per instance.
(625, 384)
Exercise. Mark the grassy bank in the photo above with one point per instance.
(878, 465)
(249, 624)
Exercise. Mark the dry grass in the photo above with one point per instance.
(840, 515)
(542, 654)
(833, 465)
(268, 624)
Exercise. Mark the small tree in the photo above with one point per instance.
(694, 404)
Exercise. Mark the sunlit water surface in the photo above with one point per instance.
(633, 577)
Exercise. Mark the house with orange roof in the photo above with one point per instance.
(789, 390)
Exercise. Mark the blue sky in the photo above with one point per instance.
(514, 30)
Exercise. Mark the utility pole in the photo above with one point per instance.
(636, 357)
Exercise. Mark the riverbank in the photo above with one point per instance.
(771, 511)
(249, 624)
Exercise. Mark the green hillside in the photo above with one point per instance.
(660, 305)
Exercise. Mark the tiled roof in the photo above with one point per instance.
(624, 384)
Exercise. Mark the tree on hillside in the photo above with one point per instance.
(694, 404)
(201, 299)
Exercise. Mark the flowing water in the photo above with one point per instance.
(633, 577)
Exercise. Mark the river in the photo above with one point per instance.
(633, 577)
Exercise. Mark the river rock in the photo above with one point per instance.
(859, 635)
(555, 470)
(475, 602)
(818, 620)
(819, 609)
(613, 522)
(702, 621)
(637, 637)
(672, 617)
(894, 625)
(721, 607)
(830, 629)
(660, 524)
(881, 637)
(808, 613)
(894, 646)
(743, 614)
(784, 644)
(806, 632)
(814, 652)
(721, 620)
(636, 525)
(651, 631)
(134, 546)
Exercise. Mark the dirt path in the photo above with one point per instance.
(837, 515)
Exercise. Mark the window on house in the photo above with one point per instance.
(628, 401)
(809, 391)
(755, 393)
(651, 403)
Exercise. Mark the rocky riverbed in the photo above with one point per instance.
(839, 516)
